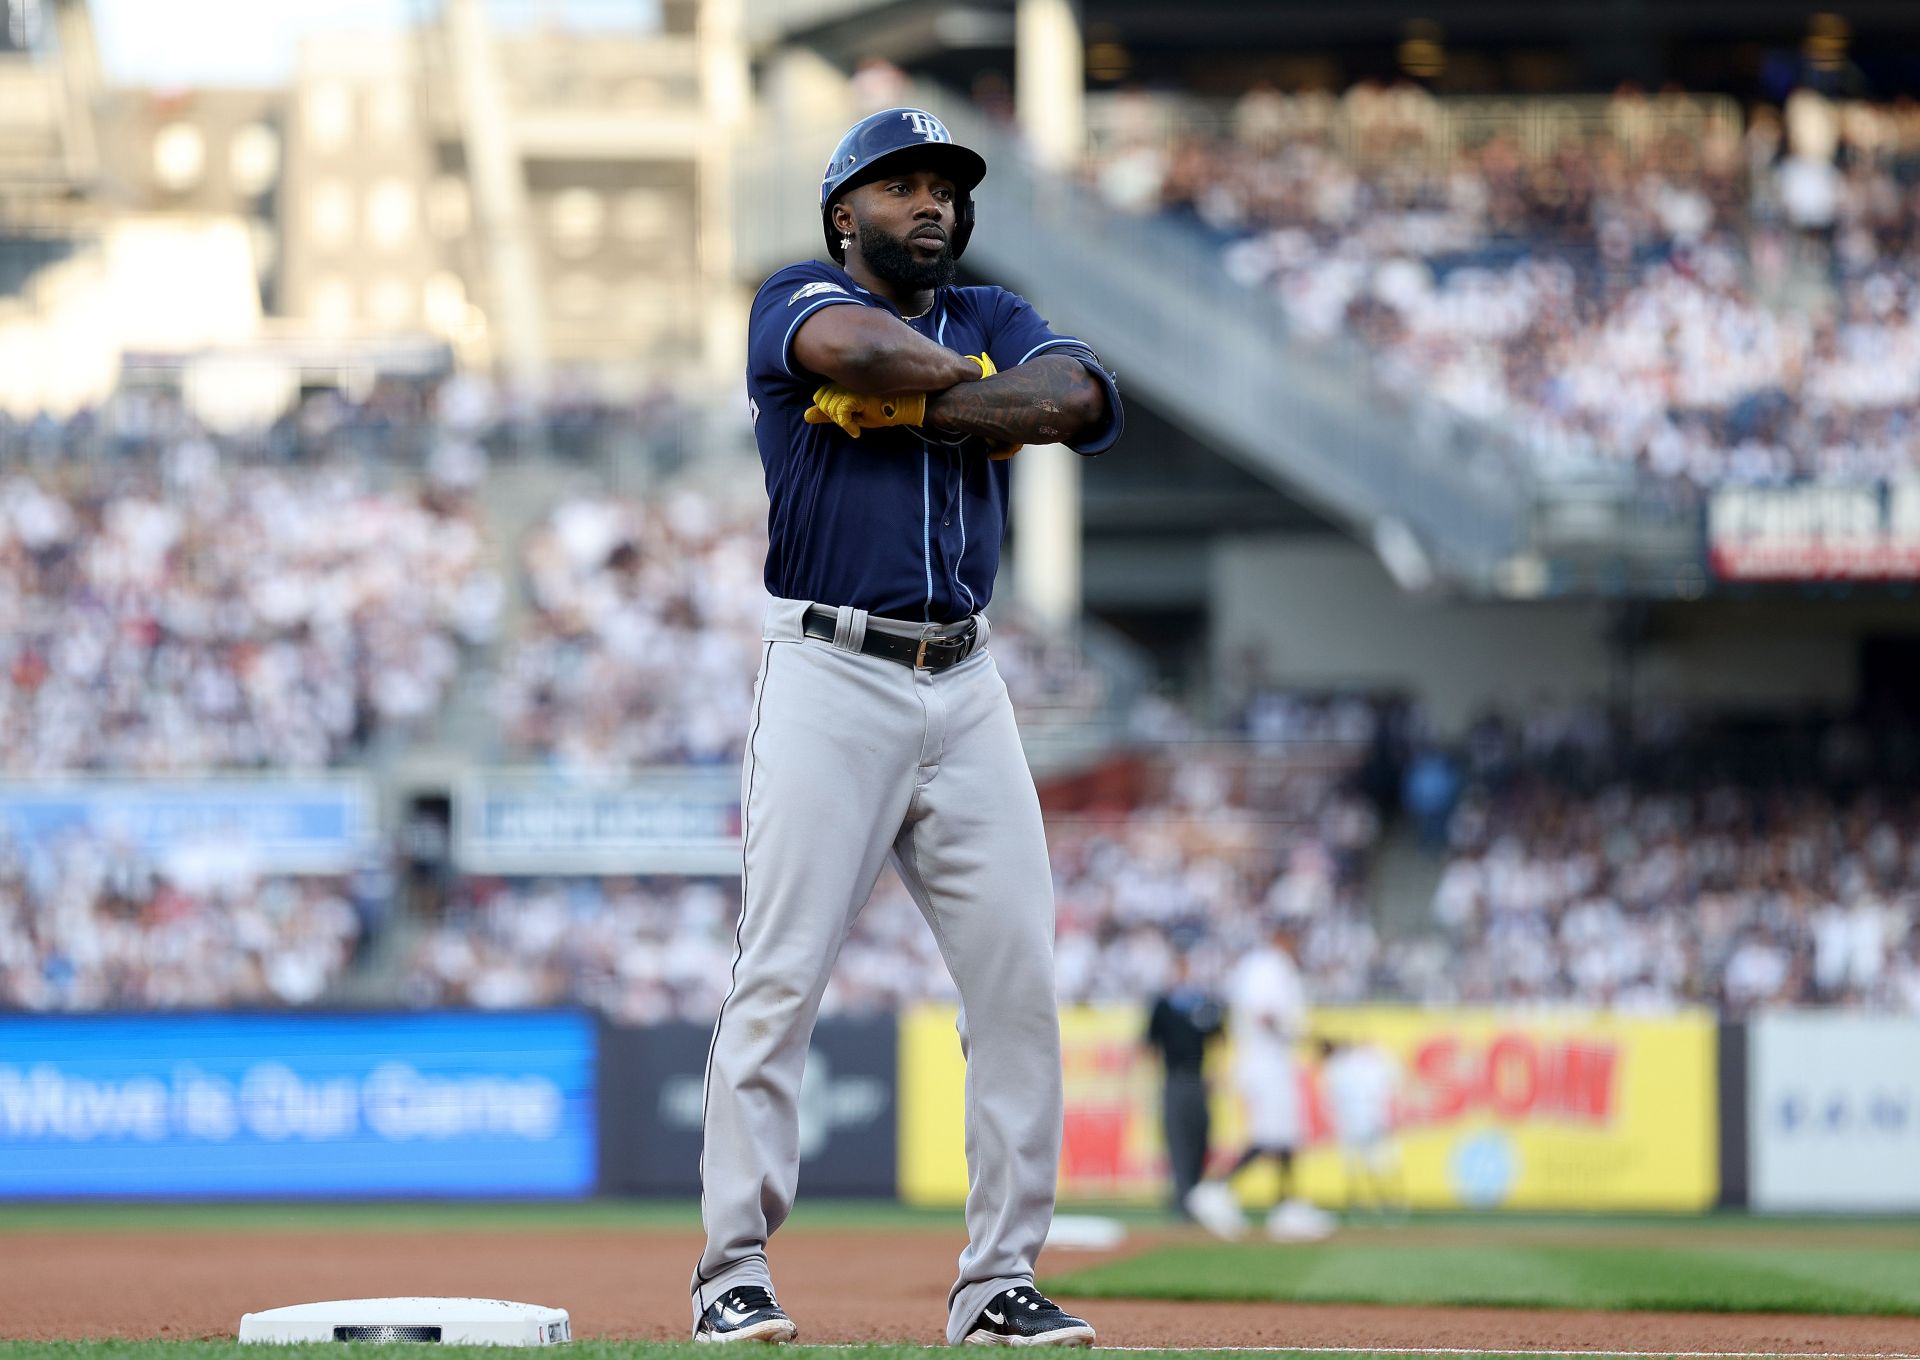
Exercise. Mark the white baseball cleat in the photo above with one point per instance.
(1296, 1220)
(745, 1313)
(1214, 1208)
(1023, 1316)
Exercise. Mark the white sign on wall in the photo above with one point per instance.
(1834, 1111)
(647, 822)
(1815, 532)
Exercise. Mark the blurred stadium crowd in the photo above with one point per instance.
(1714, 299)
(213, 607)
(645, 636)
(1678, 859)
(1193, 853)
(92, 924)
(1581, 864)
(189, 613)
(1662, 283)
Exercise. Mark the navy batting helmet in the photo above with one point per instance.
(884, 141)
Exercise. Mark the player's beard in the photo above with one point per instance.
(893, 260)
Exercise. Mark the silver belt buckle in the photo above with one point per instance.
(920, 657)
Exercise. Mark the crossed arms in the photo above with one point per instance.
(1048, 400)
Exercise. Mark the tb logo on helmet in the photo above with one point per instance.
(925, 126)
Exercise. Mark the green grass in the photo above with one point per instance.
(1780, 1277)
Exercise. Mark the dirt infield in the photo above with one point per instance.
(840, 1286)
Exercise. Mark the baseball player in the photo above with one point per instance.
(1360, 1079)
(1266, 1016)
(886, 402)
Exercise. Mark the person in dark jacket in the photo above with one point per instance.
(1183, 1019)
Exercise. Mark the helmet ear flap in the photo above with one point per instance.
(962, 224)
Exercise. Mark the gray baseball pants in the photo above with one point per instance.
(851, 760)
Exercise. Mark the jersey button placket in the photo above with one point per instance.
(951, 543)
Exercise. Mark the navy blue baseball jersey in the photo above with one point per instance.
(903, 522)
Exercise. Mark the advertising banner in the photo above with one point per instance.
(307, 826)
(677, 822)
(296, 1106)
(1111, 1146)
(1543, 1109)
(1809, 533)
(1833, 1113)
(653, 1094)
(1534, 1109)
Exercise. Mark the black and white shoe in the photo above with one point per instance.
(1023, 1316)
(745, 1313)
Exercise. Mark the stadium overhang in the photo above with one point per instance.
(1517, 45)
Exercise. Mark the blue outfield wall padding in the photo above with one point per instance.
(653, 1091)
(1733, 1114)
(292, 1105)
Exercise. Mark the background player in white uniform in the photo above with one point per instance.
(885, 403)
(1266, 1017)
(1360, 1080)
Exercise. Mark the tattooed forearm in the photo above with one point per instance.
(1051, 400)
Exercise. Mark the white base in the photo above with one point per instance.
(1086, 1232)
(462, 1322)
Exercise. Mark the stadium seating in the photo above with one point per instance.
(196, 613)
(1684, 861)
(89, 924)
(1189, 845)
(1649, 282)
(210, 609)
(644, 637)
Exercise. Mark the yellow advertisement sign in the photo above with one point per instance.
(1542, 1109)
(1112, 1147)
(932, 1108)
(1538, 1109)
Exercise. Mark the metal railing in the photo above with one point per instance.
(768, 21)
(1435, 131)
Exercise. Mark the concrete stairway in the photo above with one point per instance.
(376, 977)
(1402, 882)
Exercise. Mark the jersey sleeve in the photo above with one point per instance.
(783, 302)
(1019, 333)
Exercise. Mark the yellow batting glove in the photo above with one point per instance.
(835, 405)
(857, 411)
(902, 408)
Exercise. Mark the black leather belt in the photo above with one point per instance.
(927, 653)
